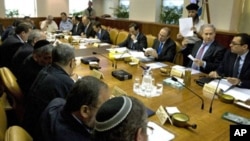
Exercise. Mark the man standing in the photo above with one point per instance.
(135, 40)
(164, 48)
(90, 12)
(208, 53)
(236, 63)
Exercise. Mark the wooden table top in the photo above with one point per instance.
(210, 126)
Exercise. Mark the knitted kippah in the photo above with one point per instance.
(40, 44)
(112, 113)
(192, 6)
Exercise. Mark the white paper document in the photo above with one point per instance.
(191, 57)
(237, 93)
(156, 65)
(159, 134)
(182, 68)
(185, 26)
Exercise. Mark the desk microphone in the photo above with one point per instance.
(211, 104)
(114, 64)
(202, 100)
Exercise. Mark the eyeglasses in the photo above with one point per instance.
(233, 43)
(150, 130)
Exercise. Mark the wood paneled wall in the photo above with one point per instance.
(222, 37)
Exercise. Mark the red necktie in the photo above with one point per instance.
(200, 52)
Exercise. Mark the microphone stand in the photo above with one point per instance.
(202, 100)
(211, 104)
(114, 64)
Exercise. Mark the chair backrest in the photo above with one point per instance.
(113, 33)
(178, 59)
(13, 90)
(150, 40)
(3, 122)
(17, 133)
(122, 35)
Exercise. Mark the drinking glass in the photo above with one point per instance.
(159, 88)
(136, 85)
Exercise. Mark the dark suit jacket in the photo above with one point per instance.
(139, 45)
(51, 82)
(168, 51)
(21, 54)
(104, 37)
(80, 29)
(90, 31)
(8, 49)
(213, 56)
(58, 125)
(227, 65)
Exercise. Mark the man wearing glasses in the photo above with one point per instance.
(236, 63)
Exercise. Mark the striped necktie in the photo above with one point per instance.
(236, 67)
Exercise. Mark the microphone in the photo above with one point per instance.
(114, 64)
(202, 100)
(211, 104)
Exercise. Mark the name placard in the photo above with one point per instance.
(209, 90)
(162, 115)
(118, 92)
(97, 74)
(176, 72)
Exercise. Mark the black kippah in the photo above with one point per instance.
(192, 6)
(40, 44)
(112, 112)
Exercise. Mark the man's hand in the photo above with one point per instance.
(213, 74)
(233, 80)
(198, 62)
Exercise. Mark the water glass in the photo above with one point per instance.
(159, 88)
(136, 85)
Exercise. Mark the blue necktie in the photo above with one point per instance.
(236, 67)
(99, 35)
(160, 48)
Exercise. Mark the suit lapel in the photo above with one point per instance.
(246, 64)
(209, 50)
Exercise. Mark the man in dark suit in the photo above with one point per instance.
(135, 40)
(73, 118)
(78, 27)
(25, 50)
(88, 28)
(12, 43)
(51, 82)
(236, 63)
(207, 53)
(164, 48)
(101, 34)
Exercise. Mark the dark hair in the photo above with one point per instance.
(23, 27)
(16, 22)
(126, 129)
(97, 24)
(245, 38)
(136, 26)
(84, 92)
(26, 17)
(63, 13)
(77, 18)
(62, 54)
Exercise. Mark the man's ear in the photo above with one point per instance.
(140, 135)
(85, 111)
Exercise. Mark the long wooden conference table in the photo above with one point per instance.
(210, 126)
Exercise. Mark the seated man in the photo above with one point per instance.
(25, 50)
(101, 34)
(121, 118)
(51, 82)
(164, 48)
(32, 65)
(74, 118)
(12, 44)
(10, 30)
(29, 20)
(135, 40)
(78, 27)
(88, 28)
(207, 53)
(49, 24)
(236, 63)
(66, 23)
